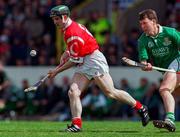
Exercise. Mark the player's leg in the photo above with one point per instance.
(79, 84)
(105, 82)
(167, 86)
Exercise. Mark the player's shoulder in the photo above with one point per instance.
(73, 29)
(167, 29)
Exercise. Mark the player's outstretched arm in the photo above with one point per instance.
(60, 68)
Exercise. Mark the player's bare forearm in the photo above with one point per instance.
(66, 66)
(60, 68)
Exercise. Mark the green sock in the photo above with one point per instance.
(170, 116)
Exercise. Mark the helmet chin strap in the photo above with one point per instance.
(64, 19)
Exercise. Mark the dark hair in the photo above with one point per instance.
(148, 13)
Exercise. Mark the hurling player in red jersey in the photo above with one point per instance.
(82, 51)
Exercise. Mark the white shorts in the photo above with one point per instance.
(94, 65)
(175, 64)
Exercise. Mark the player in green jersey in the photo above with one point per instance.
(160, 45)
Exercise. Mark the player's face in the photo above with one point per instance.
(148, 26)
(58, 21)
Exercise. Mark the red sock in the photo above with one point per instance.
(138, 105)
(77, 121)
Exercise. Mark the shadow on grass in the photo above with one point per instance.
(165, 131)
(119, 131)
(28, 130)
(124, 131)
(91, 131)
(106, 131)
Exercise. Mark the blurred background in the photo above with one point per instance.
(26, 25)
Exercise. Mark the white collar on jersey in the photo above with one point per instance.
(160, 28)
(68, 23)
(160, 31)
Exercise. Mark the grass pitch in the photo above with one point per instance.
(90, 129)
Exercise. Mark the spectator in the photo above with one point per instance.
(4, 48)
(19, 52)
(4, 84)
(94, 103)
(98, 26)
(153, 100)
(141, 90)
(48, 49)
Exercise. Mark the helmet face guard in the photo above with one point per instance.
(54, 13)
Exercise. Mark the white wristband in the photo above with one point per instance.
(76, 59)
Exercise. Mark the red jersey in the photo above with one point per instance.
(79, 40)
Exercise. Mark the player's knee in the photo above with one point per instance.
(110, 93)
(164, 90)
(74, 91)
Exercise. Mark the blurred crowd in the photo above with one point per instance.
(26, 25)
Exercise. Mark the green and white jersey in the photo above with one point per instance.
(161, 49)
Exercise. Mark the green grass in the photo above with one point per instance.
(90, 129)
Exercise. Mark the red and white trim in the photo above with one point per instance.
(75, 38)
